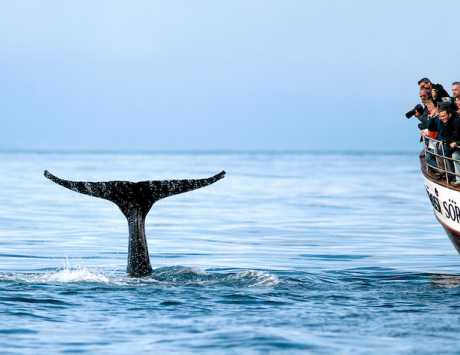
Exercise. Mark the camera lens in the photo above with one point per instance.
(410, 113)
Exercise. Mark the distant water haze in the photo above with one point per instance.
(237, 75)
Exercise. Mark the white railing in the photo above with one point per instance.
(436, 149)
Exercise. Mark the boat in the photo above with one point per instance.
(438, 173)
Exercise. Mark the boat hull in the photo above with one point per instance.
(446, 207)
(454, 237)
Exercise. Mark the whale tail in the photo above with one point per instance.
(135, 199)
(142, 194)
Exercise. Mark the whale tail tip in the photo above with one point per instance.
(49, 176)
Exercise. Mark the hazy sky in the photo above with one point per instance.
(240, 74)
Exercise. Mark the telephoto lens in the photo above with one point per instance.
(410, 113)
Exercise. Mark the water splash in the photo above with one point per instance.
(168, 276)
(69, 275)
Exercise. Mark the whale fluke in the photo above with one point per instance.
(135, 199)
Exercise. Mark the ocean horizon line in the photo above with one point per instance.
(205, 151)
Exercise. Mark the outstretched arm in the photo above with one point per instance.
(165, 188)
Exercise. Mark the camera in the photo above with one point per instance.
(410, 114)
(417, 109)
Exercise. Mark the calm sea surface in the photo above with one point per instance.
(290, 253)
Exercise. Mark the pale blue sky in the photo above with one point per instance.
(259, 74)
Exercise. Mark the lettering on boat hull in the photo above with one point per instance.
(446, 207)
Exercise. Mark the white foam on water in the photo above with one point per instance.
(180, 275)
(258, 278)
(69, 275)
(170, 275)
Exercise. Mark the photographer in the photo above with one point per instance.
(421, 113)
(428, 128)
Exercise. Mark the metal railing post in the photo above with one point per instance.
(426, 142)
(444, 162)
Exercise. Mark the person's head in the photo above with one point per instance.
(425, 95)
(444, 116)
(425, 83)
(445, 112)
(431, 107)
(434, 93)
(456, 89)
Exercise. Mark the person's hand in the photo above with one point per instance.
(423, 133)
(453, 145)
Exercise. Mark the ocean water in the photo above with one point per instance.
(290, 253)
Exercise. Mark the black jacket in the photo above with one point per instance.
(456, 133)
(449, 132)
(433, 123)
(424, 120)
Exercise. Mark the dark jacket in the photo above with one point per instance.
(456, 133)
(423, 118)
(449, 132)
(433, 124)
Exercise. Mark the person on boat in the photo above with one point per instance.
(448, 128)
(433, 123)
(429, 129)
(421, 114)
(457, 105)
(432, 108)
(425, 95)
(436, 132)
(456, 89)
(426, 84)
(420, 111)
(448, 112)
(435, 95)
(456, 96)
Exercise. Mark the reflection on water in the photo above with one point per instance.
(290, 252)
(447, 281)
